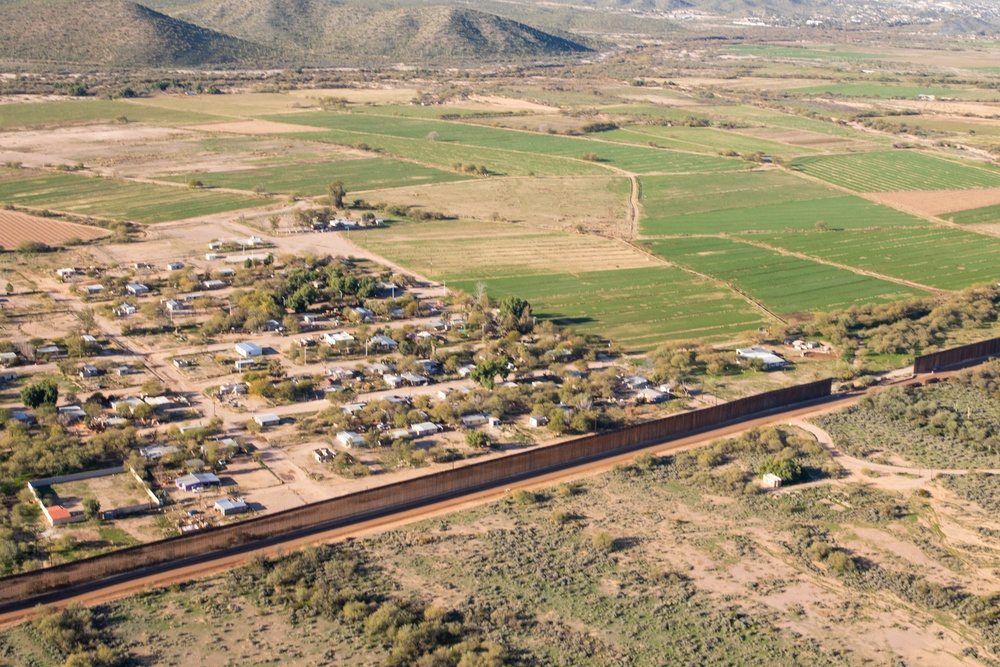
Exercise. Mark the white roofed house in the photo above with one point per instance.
(383, 341)
(136, 289)
(337, 337)
(424, 428)
(768, 360)
(365, 314)
(350, 439)
(175, 266)
(125, 310)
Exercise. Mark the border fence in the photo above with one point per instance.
(17, 590)
(929, 363)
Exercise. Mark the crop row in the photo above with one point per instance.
(895, 171)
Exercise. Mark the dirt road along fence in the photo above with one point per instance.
(16, 590)
(956, 355)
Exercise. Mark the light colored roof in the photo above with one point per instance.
(267, 417)
(249, 348)
(197, 478)
(224, 504)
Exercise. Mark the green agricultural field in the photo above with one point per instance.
(783, 283)
(36, 114)
(636, 308)
(374, 130)
(756, 117)
(895, 171)
(700, 140)
(877, 89)
(975, 216)
(313, 178)
(115, 199)
(754, 201)
(832, 53)
(940, 257)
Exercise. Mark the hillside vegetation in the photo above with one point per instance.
(110, 32)
(325, 31)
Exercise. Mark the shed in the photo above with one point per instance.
(89, 371)
(198, 481)
(474, 420)
(136, 289)
(248, 350)
(227, 507)
(267, 419)
(175, 266)
(244, 364)
(650, 395)
(424, 428)
(350, 439)
(93, 289)
(212, 284)
(380, 340)
(537, 421)
(771, 481)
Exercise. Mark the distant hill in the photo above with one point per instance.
(110, 32)
(321, 30)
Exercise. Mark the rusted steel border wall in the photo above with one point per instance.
(956, 355)
(386, 499)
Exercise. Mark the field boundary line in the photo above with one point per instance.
(847, 267)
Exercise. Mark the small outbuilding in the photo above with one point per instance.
(267, 419)
(350, 439)
(198, 481)
(772, 481)
(248, 350)
(228, 507)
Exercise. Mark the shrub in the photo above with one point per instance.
(603, 541)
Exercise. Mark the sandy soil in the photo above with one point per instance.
(940, 202)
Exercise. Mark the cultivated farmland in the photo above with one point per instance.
(894, 171)
(313, 178)
(754, 201)
(700, 140)
(628, 157)
(783, 283)
(943, 258)
(115, 199)
(16, 228)
(451, 251)
(636, 308)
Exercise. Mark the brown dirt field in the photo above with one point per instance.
(796, 137)
(18, 227)
(940, 202)
(253, 127)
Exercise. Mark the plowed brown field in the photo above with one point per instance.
(18, 227)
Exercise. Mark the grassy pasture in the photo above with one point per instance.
(939, 257)
(776, 119)
(700, 140)
(785, 284)
(623, 156)
(895, 171)
(496, 250)
(976, 216)
(244, 105)
(637, 308)
(114, 199)
(832, 53)
(35, 114)
(313, 178)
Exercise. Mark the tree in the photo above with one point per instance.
(513, 306)
(477, 439)
(91, 507)
(787, 469)
(275, 221)
(486, 371)
(45, 392)
(10, 288)
(337, 193)
(87, 320)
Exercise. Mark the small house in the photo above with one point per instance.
(414, 380)
(8, 358)
(429, 367)
(364, 314)
(93, 289)
(267, 419)
(383, 341)
(424, 429)
(474, 420)
(136, 289)
(122, 371)
(337, 337)
(127, 405)
(650, 395)
(393, 381)
(48, 350)
(158, 402)
(89, 371)
(71, 414)
(125, 310)
(227, 507)
(350, 439)
(212, 284)
(769, 360)
(7, 376)
(400, 434)
(537, 421)
(181, 363)
(88, 339)
(198, 481)
(175, 266)
(66, 273)
(635, 382)
(235, 389)
(352, 408)
(772, 481)
(173, 305)
(248, 350)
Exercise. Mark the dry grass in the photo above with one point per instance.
(16, 228)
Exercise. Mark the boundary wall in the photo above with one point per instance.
(928, 363)
(16, 590)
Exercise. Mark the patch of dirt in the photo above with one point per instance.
(253, 127)
(15, 228)
(940, 202)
